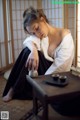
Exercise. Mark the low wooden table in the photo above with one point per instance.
(46, 93)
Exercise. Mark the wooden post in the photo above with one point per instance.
(65, 15)
(12, 42)
(76, 42)
(5, 32)
(39, 4)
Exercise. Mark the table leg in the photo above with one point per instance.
(45, 111)
(35, 105)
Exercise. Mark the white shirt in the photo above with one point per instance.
(63, 54)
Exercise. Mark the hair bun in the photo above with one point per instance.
(31, 15)
(30, 10)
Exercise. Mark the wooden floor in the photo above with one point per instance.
(19, 108)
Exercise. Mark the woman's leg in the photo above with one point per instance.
(15, 73)
(22, 89)
(9, 95)
(17, 85)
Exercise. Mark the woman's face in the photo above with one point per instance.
(39, 29)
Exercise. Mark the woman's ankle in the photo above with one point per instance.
(9, 95)
(10, 92)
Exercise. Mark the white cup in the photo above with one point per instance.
(33, 73)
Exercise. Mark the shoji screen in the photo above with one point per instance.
(18, 7)
(54, 12)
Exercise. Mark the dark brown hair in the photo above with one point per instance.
(31, 15)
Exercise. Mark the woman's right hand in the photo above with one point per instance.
(33, 60)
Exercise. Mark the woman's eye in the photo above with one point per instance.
(33, 33)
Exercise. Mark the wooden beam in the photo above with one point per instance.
(39, 4)
(5, 32)
(65, 15)
(12, 41)
(76, 42)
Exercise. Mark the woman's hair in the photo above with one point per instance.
(30, 15)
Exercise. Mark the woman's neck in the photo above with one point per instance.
(54, 35)
(51, 30)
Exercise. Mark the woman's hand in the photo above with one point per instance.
(33, 60)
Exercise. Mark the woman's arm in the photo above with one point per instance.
(33, 59)
(33, 44)
(63, 57)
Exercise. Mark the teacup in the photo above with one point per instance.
(62, 78)
(55, 77)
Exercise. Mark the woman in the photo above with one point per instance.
(47, 50)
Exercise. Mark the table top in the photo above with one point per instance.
(54, 91)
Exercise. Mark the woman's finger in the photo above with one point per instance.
(30, 64)
(37, 64)
(34, 65)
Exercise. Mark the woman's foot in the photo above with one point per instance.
(9, 96)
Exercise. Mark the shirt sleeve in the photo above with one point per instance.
(63, 57)
(33, 39)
